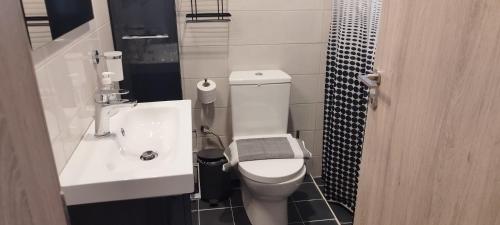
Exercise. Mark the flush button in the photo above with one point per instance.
(259, 74)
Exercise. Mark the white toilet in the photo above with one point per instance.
(259, 103)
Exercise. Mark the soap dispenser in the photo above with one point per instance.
(107, 83)
(105, 94)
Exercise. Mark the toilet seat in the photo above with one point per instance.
(271, 171)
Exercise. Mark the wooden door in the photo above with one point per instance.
(29, 187)
(432, 148)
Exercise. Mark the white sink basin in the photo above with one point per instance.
(110, 168)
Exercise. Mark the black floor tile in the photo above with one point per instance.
(206, 205)
(322, 189)
(194, 205)
(194, 218)
(240, 216)
(236, 198)
(216, 217)
(314, 210)
(319, 181)
(293, 215)
(307, 178)
(343, 215)
(235, 183)
(306, 191)
(325, 222)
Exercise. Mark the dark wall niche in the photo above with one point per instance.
(146, 32)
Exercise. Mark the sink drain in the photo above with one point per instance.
(148, 155)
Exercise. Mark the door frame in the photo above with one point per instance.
(29, 185)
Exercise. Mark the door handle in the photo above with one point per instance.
(372, 81)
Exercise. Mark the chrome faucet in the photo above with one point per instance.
(105, 103)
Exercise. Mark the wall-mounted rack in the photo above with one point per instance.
(219, 16)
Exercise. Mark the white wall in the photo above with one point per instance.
(67, 80)
(290, 35)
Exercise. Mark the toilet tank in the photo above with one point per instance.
(259, 102)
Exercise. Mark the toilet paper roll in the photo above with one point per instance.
(114, 63)
(206, 91)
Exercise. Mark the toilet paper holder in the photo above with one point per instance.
(206, 91)
(206, 84)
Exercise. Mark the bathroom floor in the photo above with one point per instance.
(344, 216)
(306, 206)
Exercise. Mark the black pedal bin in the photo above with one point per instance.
(215, 184)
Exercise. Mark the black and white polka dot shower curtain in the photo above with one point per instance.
(350, 53)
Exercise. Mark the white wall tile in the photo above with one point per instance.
(301, 117)
(319, 110)
(67, 80)
(304, 89)
(316, 166)
(204, 61)
(209, 34)
(203, 5)
(180, 17)
(58, 151)
(318, 143)
(291, 58)
(308, 138)
(246, 5)
(321, 87)
(275, 27)
(105, 40)
(73, 133)
(101, 13)
(58, 99)
(45, 54)
(218, 119)
(255, 5)
(309, 166)
(206, 142)
(50, 104)
(322, 58)
(325, 24)
(178, 5)
(327, 5)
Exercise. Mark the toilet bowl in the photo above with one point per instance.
(260, 102)
(266, 185)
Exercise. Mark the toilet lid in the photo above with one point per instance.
(271, 170)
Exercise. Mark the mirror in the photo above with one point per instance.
(46, 20)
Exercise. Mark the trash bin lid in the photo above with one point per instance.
(211, 155)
